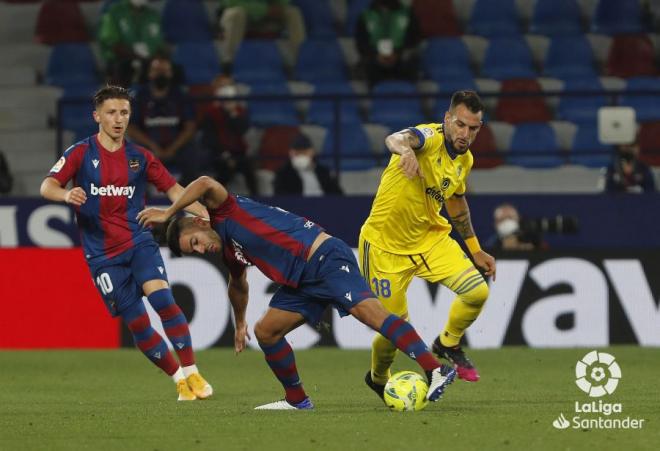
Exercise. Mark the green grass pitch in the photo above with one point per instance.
(75, 400)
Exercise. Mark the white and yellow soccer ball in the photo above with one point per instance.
(406, 390)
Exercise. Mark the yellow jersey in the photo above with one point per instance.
(405, 215)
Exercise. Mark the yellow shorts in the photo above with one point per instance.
(389, 275)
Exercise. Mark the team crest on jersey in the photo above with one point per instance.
(134, 164)
(238, 253)
(445, 183)
(59, 165)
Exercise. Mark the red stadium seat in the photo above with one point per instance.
(516, 110)
(484, 148)
(436, 18)
(649, 143)
(631, 56)
(60, 22)
(274, 146)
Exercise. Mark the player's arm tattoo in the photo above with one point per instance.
(413, 139)
(459, 212)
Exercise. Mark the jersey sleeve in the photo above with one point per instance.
(157, 173)
(429, 136)
(68, 164)
(224, 210)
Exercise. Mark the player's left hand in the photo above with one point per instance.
(150, 216)
(486, 262)
(241, 337)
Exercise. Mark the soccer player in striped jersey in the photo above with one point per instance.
(110, 177)
(405, 235)
(314, 269)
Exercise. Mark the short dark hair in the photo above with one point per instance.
(174, 229)
(110, 92)
(468, 98)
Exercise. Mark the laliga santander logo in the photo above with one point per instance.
(597, 374)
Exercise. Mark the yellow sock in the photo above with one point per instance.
(382, 356)
(465, 308)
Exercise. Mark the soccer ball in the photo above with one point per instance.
(406, 390)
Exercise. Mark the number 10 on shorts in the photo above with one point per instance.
(104, 283)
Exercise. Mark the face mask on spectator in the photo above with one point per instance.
(226, 91)
(139, 3)
(301, 162)
(507, 227)
(161, 81)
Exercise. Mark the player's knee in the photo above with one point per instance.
(264, 334)
(477, 295)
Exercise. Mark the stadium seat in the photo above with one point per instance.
(617, 16)
(320, 61)
(259, 60)
(59, 22)
(556, 17)
(274, 146)
(71, 64)
(508, 58)
(534, 146)
(522, 109)
(647, 107)
(76, 112)
(355, 9)
(185, 20)
(322, 111)
(649, 143)
(631, 56)
(570, 57)
(199, 60)
(319, 19)
(484, 150)
(399, 112)
(587, 150)
(272, 112)
(446, 59)
(354, 144)
(581, 108)
(494, 18)
(436, 18)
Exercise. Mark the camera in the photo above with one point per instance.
(557, 224)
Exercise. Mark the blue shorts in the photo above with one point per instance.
(330, 277)
(120, 279)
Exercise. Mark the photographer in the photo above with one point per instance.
(626, 174)
(514, 233)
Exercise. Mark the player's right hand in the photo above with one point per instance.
(409, 164)
(241, 337)
(75, 196)
(150, 216)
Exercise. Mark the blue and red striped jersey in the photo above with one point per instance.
(274, 240)
(115, 184)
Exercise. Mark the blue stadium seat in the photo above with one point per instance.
(494, 18)
(446, 59)
(72, 64)
(258, 61)
(534, 145)
(508, 58)
(647, 107)
(318, 16)
(617, 17)
(77, 117)
(581, 108)
(587, 150)
(185, 20)
(355, 9)
(272, 112)
(199, 60)
(449, 87)
(396, 113)
(322, 111)
(570, 57)
(556, 17)
(319, 61)
(353, 142)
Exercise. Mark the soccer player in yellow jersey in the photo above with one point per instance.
(405, 235)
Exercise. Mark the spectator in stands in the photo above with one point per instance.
(627, 174)
(163, 121)
(265, 17)
(302, 174)
(223, 124)
(509, 235)
(387, 37)
(6, 179)
(129, 35)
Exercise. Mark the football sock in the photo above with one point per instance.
(188, 370)
(178, 375)
(382, 356)
(147, 339)
(472, 292)
(174, 323)
(406, 339)
(282, 362)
